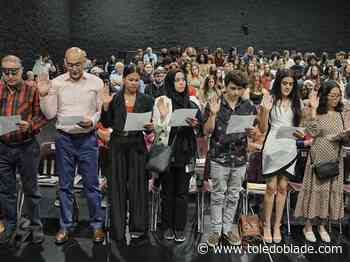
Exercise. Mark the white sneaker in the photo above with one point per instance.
(309, 236)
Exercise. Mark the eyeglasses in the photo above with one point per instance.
(10, 71)
(333, 96)
(287, 83)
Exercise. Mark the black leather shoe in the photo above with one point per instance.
(38, 235)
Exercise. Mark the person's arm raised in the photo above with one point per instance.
(48, 95)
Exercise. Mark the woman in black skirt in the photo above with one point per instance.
(126, 176)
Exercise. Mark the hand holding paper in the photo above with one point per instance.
(137, 121)
(70, 120)
(23, 126)
(180, 116)
(239, 123)
(290, 132)
(9, 124)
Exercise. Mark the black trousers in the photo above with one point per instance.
(25, 159)
(175, 184)
(127, 180)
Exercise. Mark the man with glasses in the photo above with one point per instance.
(75, 93)
(228, 157)
(157, 87)
(19, 150)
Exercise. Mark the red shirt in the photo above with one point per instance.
(23, 101)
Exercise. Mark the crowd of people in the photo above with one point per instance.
(288, 89)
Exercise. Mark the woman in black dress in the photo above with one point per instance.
(126, 176)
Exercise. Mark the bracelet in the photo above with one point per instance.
(258, 147)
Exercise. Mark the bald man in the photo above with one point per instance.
(19, 150)
(72, 96)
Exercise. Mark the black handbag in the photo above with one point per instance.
(327, 169)
(159, 157)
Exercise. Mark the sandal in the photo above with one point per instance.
(268, 238)
(309, 235)
(324, 235)
(277, 239)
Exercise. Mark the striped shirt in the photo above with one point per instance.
(24, 101)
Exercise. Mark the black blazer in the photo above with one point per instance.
(115, 117)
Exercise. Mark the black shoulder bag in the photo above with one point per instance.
(327, 169)
(159, 157)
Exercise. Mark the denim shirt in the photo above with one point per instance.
(229, 149)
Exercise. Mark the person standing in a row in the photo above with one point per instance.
(19, 150)
(175, 181)
(75, 93)
(126, 176)
(321, 200)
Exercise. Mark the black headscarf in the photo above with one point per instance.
(185, 145)
(179, 100)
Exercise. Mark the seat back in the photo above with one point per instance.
(47, 159)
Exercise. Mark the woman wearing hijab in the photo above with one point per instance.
(175, 182)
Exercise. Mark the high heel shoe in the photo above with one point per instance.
(267, 239)
(277, 239)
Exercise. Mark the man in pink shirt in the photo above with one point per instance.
(75, 99)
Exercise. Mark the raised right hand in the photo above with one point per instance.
(43, 84)
(214, 105)
(314, 101)
(106, 96)
(267, 102)
(163, 107)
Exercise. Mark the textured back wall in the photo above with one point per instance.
(104, 27)
(29, 26)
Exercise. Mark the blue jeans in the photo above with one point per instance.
(82, 151)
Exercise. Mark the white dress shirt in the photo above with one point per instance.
(67, 97)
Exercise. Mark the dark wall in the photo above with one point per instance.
(105, 27)
(28, 27)
(102, 27)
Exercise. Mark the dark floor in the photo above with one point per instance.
(153, 247)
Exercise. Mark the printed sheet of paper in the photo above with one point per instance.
(136, 121)
(238, 123)
(70, 120)
(179, 116)
(287, 132)
(8, 124)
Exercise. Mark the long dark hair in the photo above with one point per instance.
(327, 86)
(293, 96)
(206, 84)
(130, 69)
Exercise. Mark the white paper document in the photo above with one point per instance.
(287, 132)
(179, 116)
(70, 120)
(239, 123)
(136, 121)
(9, 124)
